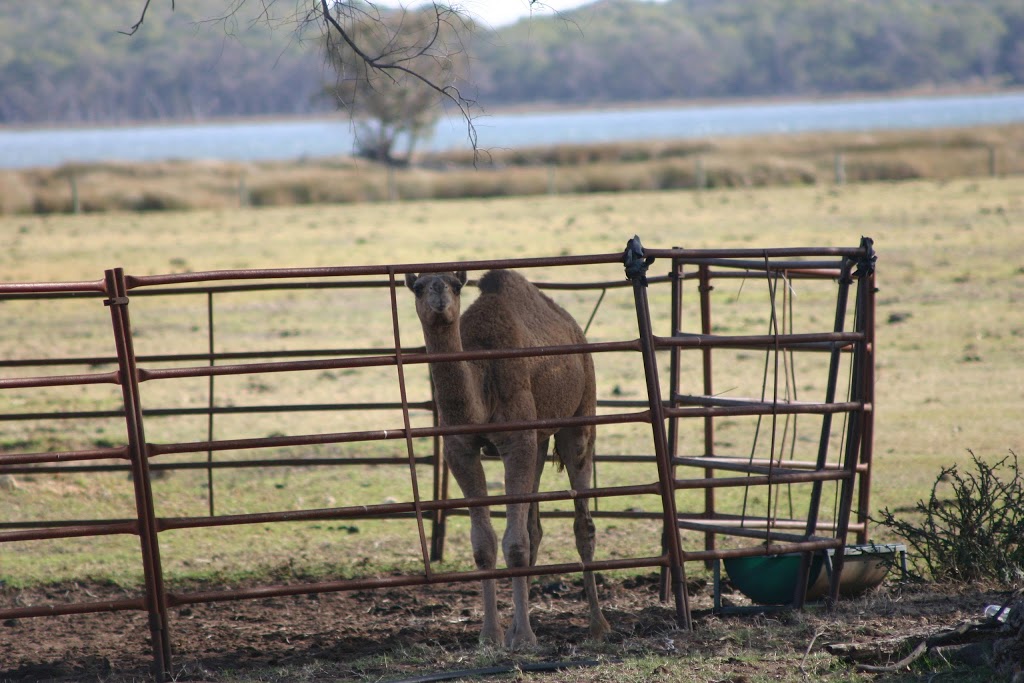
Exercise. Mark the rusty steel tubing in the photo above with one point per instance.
(766, 549)
(724, 519)
(59, 380)
(73, 531)
(762, 267)
(636, 262)
(687, 255)
(705, 288)
(740, 464)
(181, 599)
(839, 324)
(856, 447)
(136, 604)
(790, 273)
(767, 532)
(869, 311)
(407, 428)
(352, 271)
(724, 462)
(203, 356)
(156, 598)
(215, 410)
(76, 415)
(772, 409)
(365, 511)
(384, 360)
(222, 464)
(62, 456)
(283, 408)
(80, 287)
(759, 341)
(607, 284)
(760, 477)
(390, 434)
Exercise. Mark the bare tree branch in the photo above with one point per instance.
(381, 64)
(393, 59)
(142, 17)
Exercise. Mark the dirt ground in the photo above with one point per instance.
(389, 634)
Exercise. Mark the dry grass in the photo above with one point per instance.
(806, 159)
(950, 341)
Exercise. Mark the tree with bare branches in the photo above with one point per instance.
(396, 68)
(389, 106)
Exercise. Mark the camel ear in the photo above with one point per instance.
(461, 277)
(410, 280)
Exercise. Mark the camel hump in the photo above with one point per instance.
(513, 313)
(501, 281)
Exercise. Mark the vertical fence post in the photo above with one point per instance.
(76, 204)
(705, 288)
(156, 597)
(675, 358)
(839, 167)
(407, 423)
(636, 270)
(842, 299)
(440, 520)
(866, 315)
(210, 401)
(860, 424)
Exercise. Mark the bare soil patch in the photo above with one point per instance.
(397, 633)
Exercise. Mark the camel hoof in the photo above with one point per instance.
(490, 635)
(514, 640)
(599, 629)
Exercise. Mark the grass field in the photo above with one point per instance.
(950, 340)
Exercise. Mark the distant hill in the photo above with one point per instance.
(65, 61)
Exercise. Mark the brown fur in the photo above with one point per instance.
(511, 313)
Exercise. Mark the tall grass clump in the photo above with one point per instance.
(977, 534)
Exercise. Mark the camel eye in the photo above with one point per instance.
(457, 287)
(417, 289)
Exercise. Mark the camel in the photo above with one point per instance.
(511, 313)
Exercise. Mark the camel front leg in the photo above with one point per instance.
(468, 471)
(519, 456)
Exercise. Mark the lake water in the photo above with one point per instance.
(286, 140)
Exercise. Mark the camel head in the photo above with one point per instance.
(437, 296)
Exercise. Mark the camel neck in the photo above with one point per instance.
(457, 384)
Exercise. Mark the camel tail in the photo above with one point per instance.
(557, 457)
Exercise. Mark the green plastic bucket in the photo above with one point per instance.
(770, 579)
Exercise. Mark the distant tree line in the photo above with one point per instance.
(622, 50)
(65, 62)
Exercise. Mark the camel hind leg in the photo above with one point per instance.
(533, 520)
(576, 450)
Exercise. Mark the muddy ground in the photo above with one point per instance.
(391, 634)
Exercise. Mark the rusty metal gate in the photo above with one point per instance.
(846, 342)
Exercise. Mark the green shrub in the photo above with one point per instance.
(978, 533)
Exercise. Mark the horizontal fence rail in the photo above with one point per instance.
(661, 411)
